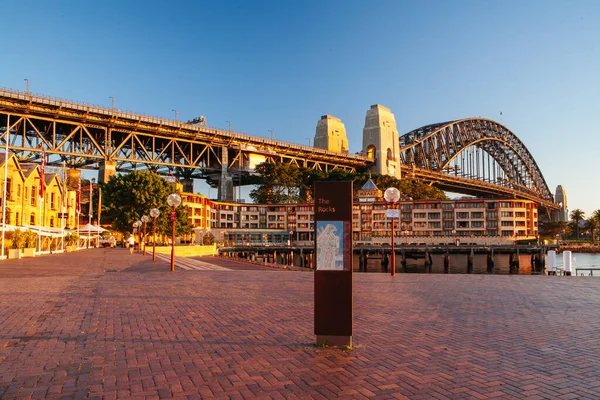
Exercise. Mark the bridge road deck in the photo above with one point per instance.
(72, 327)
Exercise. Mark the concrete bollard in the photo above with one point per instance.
(551, 262)
(567, 262)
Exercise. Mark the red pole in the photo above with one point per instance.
(144, 238)
(393, 258)
(154, 241)
(173, 241)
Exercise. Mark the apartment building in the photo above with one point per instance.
(25, 208)
(466, 217)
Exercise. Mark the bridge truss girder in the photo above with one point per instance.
(83, 137)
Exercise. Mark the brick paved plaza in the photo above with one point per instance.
(99, 323)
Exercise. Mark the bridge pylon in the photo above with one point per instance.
(381, 141)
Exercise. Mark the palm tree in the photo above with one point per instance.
(596, 216)
(577, 215)
(592, 224)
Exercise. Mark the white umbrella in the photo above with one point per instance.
(89, 228)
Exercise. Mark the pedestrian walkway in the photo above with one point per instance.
(190, 264)
(102, 324)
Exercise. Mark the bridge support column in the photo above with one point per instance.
(226, 180)
(188, 185)
(108, 169)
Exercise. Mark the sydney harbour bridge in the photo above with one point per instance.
(472, 156)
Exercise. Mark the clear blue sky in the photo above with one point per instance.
(279, 65)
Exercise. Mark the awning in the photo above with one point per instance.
(90, 229)
(43, 230)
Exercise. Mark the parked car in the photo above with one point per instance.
(108, 242)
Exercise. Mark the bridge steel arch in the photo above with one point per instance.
(475, 156)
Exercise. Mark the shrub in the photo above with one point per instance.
(71, 238)
(30, 239)
(18, 239)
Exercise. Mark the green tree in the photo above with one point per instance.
(285, 184)
(551, 229)
(577, 215)
(125, 198)
(280, 184)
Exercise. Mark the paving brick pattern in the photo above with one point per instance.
(103, 324)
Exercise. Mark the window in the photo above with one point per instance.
(476, 215)
(420, 215)
(433, 216)
(371, 152)
(491, 224)
(462, 215)
(491, 215)
(506, 214)
(477, 224)
(492, 205)
(33, 196)
(448, 215)
(9, 196)
(447, 206)
(32, 219)
(508, 223)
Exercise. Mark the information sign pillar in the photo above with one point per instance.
(333, 263)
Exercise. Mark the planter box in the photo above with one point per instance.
(30, 252)
(70, 248)
(14, 253)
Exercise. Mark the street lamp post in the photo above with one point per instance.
(137, 229)
(92, 181)
(174, 200)
(155, 212)
(392, 195)
(143, 241)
